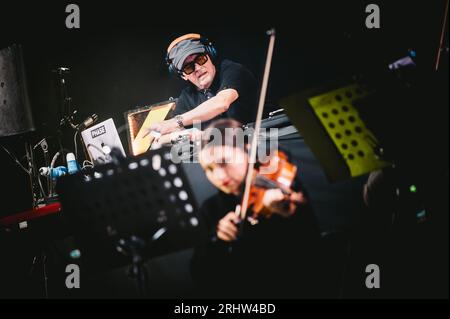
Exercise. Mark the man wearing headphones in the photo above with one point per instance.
(217, 88)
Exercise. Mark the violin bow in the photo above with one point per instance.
(254, 143)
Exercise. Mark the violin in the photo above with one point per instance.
(276, 173)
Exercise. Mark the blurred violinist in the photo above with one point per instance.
(272, 252)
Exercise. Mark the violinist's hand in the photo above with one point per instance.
(226, 228)
(284, 205)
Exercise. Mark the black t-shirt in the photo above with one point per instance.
(276, 258)
(229, 75)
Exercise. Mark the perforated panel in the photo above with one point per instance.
(342, 122)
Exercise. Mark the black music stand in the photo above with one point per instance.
(130, 210)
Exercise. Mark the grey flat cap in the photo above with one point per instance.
(184, 49)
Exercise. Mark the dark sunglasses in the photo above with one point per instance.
(190, 67)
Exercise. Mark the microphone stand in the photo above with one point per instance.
(65, 113)
(37, 195)
(44, 146)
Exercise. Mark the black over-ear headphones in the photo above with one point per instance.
(209, 49)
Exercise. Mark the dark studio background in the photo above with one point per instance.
(117, 64)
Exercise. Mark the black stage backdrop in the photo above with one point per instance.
(117, 56)
(117, 63)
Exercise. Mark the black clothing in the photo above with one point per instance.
(276, 258)
(229, 75)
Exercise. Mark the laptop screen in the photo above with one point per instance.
(101, 135)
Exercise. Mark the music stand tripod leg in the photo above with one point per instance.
(40, 260)
(134, 247)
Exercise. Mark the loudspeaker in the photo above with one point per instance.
(15, 112)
